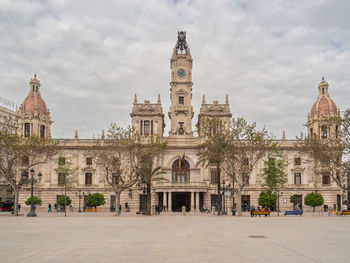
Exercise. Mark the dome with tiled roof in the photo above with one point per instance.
(34, 103)
(324, 105)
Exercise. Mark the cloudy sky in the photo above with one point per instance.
(92, 56)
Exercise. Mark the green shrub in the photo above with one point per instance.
(37, 200)
(60, 201)
(267, 199)
(314, 199)
(94, 200)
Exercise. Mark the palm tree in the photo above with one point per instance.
(214, 149)
(149, 175)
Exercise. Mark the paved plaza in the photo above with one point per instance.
(174, 238)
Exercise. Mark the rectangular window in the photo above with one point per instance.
(147, 130)
(61, 179)
(152, 127)
(88, 178)
(141, 127)
(326, 179)
(297, 161)
(115, 179)
(213, 176)
(61, 161)
(297, 178)
(27, 129)
(245, 161)
(181, 100)
(89, 161)
(42, 131)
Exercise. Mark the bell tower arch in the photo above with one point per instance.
(181, 110)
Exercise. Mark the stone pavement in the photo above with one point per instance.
(173, 238)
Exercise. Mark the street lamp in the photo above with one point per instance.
(80, 196)
(32, 210)
(225, 188)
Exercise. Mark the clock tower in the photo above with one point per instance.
(181, 110)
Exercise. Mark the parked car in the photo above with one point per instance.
(6, 206)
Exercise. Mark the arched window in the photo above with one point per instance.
(324, 131)
(181, 174)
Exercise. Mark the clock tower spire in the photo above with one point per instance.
(181, 110)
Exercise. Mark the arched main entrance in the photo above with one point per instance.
(181, 175)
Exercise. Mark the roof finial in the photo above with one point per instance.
(76, 135)
(322, 77)
(158, 98)
(103, 135)
(226, 99)
(203, 101)
(34, 75)
(135, 99)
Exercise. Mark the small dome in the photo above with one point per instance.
(29, 104)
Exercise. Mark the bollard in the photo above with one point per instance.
(184, 210)
(213, 210)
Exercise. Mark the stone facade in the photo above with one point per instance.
(194, 187)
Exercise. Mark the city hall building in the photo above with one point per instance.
(191, 186)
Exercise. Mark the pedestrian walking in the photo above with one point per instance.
(19, 207)
(49, 210)
(120, 209)
(55, 207)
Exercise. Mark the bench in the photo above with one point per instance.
(261, 213)
(345, 212)
(294, 212)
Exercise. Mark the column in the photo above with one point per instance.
(192, 201)
(197, 201)
(164, 201)
(169, 202)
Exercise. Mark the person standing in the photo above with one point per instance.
(55, 206)
(120, 209)
(49, 210)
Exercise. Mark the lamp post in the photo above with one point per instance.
(80, 196)
(32, 210)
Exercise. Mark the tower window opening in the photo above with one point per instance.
(27, 129)
(181, 100)
(324, 132)
(147, 128)
(151, 127)
(42, 131)
(311, 132)
(141, 127)
(322, 91)
(33, 88)
(336, 131)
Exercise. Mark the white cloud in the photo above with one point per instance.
(91, 57)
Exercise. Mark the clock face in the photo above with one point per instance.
(181, 73)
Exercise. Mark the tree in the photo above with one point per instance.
(214, 149)
(65, 172)
(64, 201)
(19, 154)
(313, 199)
(114, 156)
(274, 173)
(95, 200)
(149, 175)
(147, 150)
(36, 200)
(248, 145)
(267, 199)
